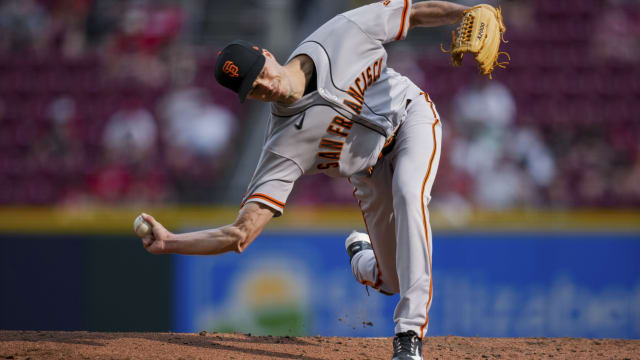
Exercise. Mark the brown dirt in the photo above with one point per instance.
(90, 345)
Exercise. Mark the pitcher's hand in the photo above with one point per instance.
(156, 241)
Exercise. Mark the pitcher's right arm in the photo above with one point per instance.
(252, 219)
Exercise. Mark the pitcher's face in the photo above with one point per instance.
(269, 85)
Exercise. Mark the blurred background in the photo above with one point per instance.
(109, 108)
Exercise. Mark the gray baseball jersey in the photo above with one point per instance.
(341, 128)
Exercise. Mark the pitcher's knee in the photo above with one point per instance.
(404, 197)
(389, 288)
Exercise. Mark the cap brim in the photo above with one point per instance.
(251, 76)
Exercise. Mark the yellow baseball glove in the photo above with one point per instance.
(479, 33)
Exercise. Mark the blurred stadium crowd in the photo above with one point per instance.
(115, 102)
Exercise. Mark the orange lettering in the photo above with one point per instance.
(366, 78)
(359, 87)
(340, 121)
(357, 108)
(336, 131)
(331, 144)
(375, 72)
(333, 155)
(326, 166)
(354, 94)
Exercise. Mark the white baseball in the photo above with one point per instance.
(141, 227)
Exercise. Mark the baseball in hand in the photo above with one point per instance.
(141, 227)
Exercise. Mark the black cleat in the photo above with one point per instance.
(357, 242)
(407, 346)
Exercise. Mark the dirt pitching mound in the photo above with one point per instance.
(90, 345)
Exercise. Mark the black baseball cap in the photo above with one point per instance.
(238, 66)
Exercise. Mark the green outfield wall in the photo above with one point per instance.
(119, 220)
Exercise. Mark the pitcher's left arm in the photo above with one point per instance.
(435, 13)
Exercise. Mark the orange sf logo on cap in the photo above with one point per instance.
(230, 69)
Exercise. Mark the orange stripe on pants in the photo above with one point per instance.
(424, 215)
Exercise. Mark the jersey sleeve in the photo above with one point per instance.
(272, 181)
(385, 21)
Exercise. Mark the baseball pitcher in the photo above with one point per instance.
(336, 108)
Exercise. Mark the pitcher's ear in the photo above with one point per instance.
(268, 54)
